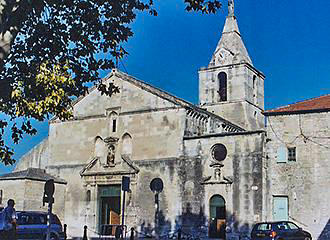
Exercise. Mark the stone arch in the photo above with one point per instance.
(99, 147)
(127, 147)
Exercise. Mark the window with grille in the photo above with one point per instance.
(292, 154)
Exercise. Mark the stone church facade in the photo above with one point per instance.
(218, 162)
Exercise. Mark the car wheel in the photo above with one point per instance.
(307, 238)
(52, 237)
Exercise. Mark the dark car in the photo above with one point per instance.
(283, 230)
(33, 225)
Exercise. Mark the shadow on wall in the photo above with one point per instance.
(325, 234)
(164, 227)
(192, 225)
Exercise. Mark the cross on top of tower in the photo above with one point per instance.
(231, 8)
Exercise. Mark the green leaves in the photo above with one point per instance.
(203, 6)
(47, 95)
(60, 48)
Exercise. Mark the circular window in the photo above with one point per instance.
(219, 152)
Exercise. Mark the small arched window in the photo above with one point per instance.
(113, 121)
(255, 98)
(222, 78)
(127, 145)
(88, 196)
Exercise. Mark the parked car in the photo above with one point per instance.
(283, 230)
(33, 225)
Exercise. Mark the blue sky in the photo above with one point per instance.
(287, 40)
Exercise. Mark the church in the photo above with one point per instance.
(212, 170)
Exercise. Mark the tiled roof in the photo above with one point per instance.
(319, 104)
(32, 174)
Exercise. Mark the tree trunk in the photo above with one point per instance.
(6, 40)
(12, 14)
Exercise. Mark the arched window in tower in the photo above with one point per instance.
(127, 145)
(255, 91)
(222, 77)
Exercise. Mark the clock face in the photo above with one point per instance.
(223, 56)
(219, 152)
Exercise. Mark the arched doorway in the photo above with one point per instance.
(217, 221)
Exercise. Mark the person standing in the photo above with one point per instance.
(10, 217)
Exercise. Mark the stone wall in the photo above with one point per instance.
(245, 94)
(13, 189)
(37, 157)
(28, 195)
(240, 182)
(305, 181)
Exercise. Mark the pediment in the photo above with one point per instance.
(96, 168)
(218, 177)
(134, 95)
(210, 180)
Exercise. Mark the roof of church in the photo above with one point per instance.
(36, 174)
(318, 104)
(230, 48)
(158, 92)
(169, 97)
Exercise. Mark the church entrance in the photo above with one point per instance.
(109, 205)
(217, 221)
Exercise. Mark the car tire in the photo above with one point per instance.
(52, 237)
(307, 238)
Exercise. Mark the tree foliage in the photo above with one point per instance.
(50, 50)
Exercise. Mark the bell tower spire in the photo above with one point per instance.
(230, 86)
(231, 8)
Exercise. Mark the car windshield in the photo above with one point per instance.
(26, 218)
(293, 226)
(264, 227)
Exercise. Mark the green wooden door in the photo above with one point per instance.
(280, 208)
(217, 221)
(108, 200)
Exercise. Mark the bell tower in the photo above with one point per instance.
(230, 86)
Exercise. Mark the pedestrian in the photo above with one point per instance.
(10, 217)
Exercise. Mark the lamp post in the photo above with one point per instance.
(156, 186)
(49, 190)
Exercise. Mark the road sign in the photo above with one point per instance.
(125, 183)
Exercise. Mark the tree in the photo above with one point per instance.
(50, 49)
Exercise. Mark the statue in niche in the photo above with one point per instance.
(111, 155)
(217, 174)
